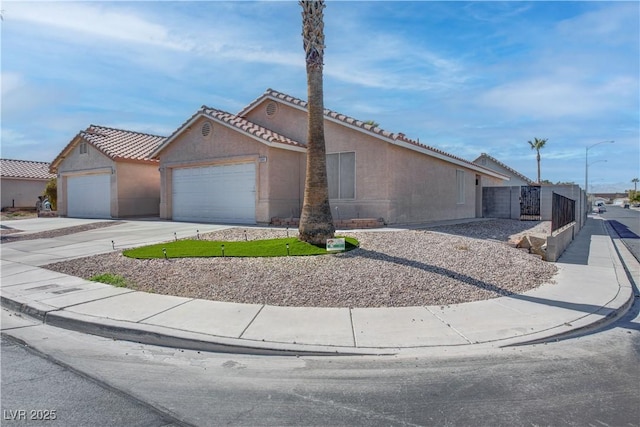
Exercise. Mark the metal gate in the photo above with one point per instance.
(530, 203)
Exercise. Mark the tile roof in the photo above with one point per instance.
(241, 124)
(25, 169)
(274, 94)
(248, 127)
(117, 144)
(499, 163)
(121, 144)
(396, 138)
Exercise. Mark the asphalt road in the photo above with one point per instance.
(585, 381)
(626, 222)
(38, 391)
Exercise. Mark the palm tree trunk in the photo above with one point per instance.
(316, 221)
(538, 159)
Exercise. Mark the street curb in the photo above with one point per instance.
(625, 266)
(624, 262)
(174, 338)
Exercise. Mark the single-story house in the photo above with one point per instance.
(22, 181)
(515, 177)
(250, 168)
(108, 173)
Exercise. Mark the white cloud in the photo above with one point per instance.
(11, 82)
(549, 97)
(12, 139)
(20, 95)
(93, 20)
(606, 25)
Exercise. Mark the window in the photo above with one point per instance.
(83, 148)
(460, 186)
(341, 175)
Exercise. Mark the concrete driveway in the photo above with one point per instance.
(120, 235)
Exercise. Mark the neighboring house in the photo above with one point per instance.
(515, 177)
(250, 168)
(22, 182)
(108, 173)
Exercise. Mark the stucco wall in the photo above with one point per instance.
(396, 184)
(425, 189)
(282, 189)
(287, 120)
(500, 201)
(372, 177)
(138, 189)
(93, 161)
(21, 193)
(573, 192)
(513, 181)
(277, 170)
(135, 187)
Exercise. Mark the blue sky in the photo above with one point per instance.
(465, 77)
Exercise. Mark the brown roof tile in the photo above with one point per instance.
(389, 136)
(241, 124)
(25, 169)
(121, 144)
(249, 127)
(117, 144)
(274, 94)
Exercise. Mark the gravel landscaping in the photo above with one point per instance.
(436, 266)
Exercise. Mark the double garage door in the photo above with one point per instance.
(89, 196)
(215, 194)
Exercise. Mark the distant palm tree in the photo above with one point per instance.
(635, 184)
(537, 145)
(316, 221)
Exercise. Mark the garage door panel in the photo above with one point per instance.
(215, 194)
(89, 196)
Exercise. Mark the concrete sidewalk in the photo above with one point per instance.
(591, 289)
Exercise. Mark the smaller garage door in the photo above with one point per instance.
(215, 194)
(89, 196)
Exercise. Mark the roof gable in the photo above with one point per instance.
(237, 123)
(25, 169)
(502, 165)
(399, 138)
(116, 144)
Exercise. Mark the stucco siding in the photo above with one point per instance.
(426, 189)
(91, 162)
(138, 189)
(372, 172)
(92, 159)
(192, 147)
(372, 187)
(21, 193)
(514, 180)
(277, 170)
(281, 189)
(286, 120)
(569, 191)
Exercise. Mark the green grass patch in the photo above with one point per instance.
(253, 248)
(110, 279)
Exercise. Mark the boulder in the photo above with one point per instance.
(535, 245)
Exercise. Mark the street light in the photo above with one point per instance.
(586, 163)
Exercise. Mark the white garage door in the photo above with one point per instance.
(215, 194)
(89, 196)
